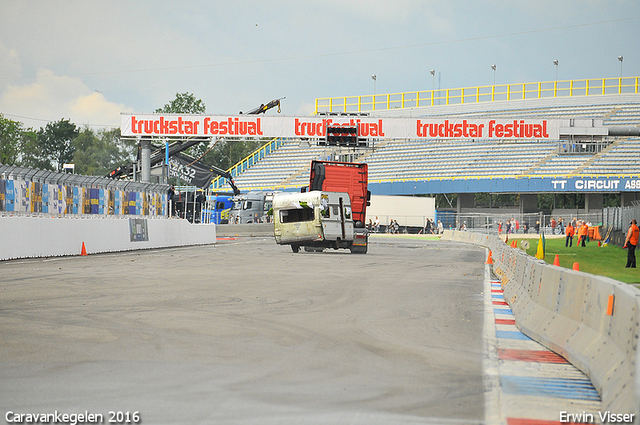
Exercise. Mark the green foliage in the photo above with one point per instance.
(56, 143)
(446, 200)
(32, 153)
(97, 153)
(11, 134)
(184, 103)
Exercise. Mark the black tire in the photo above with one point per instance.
(359, 249)
(295, 248)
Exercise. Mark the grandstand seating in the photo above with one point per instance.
(288, 166)
(624, 158)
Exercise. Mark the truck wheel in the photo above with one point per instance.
(359, 249)
(295, 248)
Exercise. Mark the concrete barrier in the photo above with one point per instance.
(592, 321)
(30, 237)
(251, 229)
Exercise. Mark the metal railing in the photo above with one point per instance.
(618, 218)
(240, 167)
(459, 96)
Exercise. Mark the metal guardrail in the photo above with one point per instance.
(240, 167)
(478, 94)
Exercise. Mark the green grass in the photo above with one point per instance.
(607, 260)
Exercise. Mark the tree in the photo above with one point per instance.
(97, 153)
(11, 134)
(56, 141)
(184, 103)
(32, 152)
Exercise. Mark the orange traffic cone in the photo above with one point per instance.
(556, 261)
(576, 266)
(489, 258)
(84, 250)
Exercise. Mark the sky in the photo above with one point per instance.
(89, 61)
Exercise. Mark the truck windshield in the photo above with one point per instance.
(297, 215)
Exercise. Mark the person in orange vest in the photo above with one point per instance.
(569, 231)
(583, 231)
(631, 242)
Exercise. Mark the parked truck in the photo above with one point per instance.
(217, 209)
(252, 207)
(330, 214)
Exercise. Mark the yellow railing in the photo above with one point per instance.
(257, 155)
(499, 92)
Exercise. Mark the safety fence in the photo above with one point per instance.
(592, 321)
(493, 222)
(618, 218)
(459, 96)
(28, 191)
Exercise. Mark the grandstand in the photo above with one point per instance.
(413, 166)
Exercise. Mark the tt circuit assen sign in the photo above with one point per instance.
(169, 125)
(578, 184)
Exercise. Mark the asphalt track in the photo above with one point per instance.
(246, 332)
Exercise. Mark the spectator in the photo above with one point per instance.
(440, 227)
(537, 227)
(554, 223)
(583, 232)
(500, 227)
(376, 224)
(631, 242)
(570, 231)
(171, 195)
(560, 226)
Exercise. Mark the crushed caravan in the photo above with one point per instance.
(315, 220)
(330, 215)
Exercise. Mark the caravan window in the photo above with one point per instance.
(247, 205)
(297, 215)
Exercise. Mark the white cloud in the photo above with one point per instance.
(9, 62)
(51, 97)
(95, 109)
